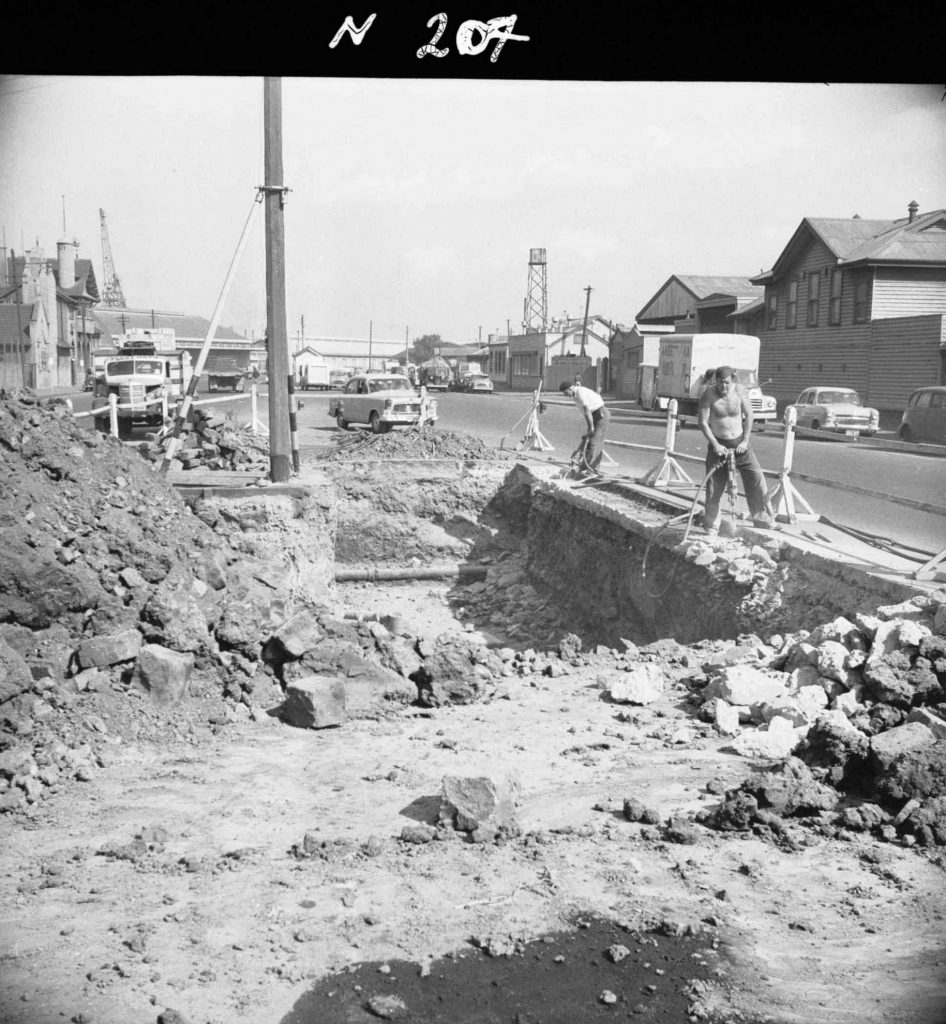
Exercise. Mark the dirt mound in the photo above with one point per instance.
(416, 443)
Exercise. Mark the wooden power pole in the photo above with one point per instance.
(276, 333)
(584, 329)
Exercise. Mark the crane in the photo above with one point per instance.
(112, 296)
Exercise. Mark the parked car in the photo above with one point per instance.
(836, 409)
(337, 378)
(476, 382)
(380, 401)
(924, 418)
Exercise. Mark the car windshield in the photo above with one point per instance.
(390, 384)
(125, 367)
(839, 397)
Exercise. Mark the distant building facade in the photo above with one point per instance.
(857, 303)
(48, 329)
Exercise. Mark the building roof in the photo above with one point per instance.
(85, 285)
(741, 298)
(357, 346)
(747, 307)
(185, 326)
(704, 286)
(857, 240)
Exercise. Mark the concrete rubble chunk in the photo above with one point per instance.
(726, 718)
(746, 684)
(939, 621)
(315, 702)
(779, 739)
(299, 633)
(905, 610)
(804, 675)
(481, 805)
(15, 675)
(840, 629)
(867, 624)
(642, 685)
(885, 641)
(887, 746)
(164, 673)
(912, 634)
(832, 656)
(801, 653)
(102, 651)
(935, 723)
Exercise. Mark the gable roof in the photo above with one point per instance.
(700, 286)
(856, 240)
(85, 284)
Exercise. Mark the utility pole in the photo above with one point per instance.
(277, 340)
(370, 342)
(584, 330)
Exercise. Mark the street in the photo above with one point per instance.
(501, 418)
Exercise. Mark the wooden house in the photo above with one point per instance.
(857, 303)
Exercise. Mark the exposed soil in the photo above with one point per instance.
(203, 858)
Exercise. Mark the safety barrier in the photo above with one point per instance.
(114, 405)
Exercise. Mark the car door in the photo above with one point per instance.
(354, 400)
(803, 409)
(934, 429)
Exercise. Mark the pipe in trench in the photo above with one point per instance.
(426, 572)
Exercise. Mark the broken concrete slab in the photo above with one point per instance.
(299, 633)
(887, 746)
(102, 651)
(481, 805)
(643, 684)
(315, 702)
(164, 673)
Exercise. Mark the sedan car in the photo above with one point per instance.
(476, 382)
(337, 378)
(924, 418)
(380, 401)
(835, 409)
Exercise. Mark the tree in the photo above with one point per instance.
(426, 347)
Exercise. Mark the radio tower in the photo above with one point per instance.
(537, 299)
(112, 297)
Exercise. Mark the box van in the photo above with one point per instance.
(924, 418)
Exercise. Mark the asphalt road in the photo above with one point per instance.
(501, 419)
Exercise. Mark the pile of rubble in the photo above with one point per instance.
(210, 440)
(423, 442)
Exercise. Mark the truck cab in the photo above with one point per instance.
(139, 381)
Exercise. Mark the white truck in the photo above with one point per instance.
(687, 363)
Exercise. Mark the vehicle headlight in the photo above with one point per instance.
(874, 416)
(768, 402)
(829, 415)
(388, 404)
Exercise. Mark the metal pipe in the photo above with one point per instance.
(427, 572)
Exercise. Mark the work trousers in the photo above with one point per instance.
(595, 447)
(753, 482)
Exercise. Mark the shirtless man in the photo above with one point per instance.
(726, 421)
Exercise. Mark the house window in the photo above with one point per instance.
(860, 301)
(814, 284)
(525, 364)
(834, 305)
(771, 307)
(791, 312)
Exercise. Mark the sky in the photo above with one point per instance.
(414, 202)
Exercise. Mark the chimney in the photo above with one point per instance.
(911, 210)
(66, 254)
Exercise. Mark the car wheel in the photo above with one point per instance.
(341, 421)
(374, 421)
(816, 424)
(905, 433)
(124, 429)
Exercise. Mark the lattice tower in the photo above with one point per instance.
(537, 295)
(112, 295)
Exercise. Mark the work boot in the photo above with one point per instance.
(764, 521)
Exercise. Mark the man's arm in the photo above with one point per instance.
(746, 421)
(703, 420)
(586, 412)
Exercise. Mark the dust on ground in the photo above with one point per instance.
(203, 857)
